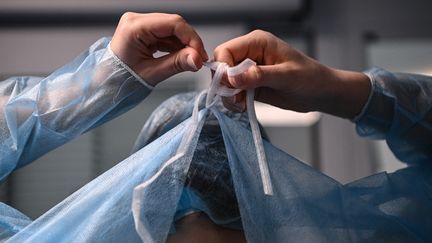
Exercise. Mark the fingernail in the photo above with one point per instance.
(191, 63)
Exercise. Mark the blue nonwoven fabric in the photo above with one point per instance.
(309, 206)
(40, 114)
(11, 221)
(306, 205)
(141, 197)
(101, 210)
(208, 185)
(399, 110)
(90, 90)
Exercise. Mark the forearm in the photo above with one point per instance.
(346, 93)
(87, 92)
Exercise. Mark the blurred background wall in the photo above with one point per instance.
(38, 36)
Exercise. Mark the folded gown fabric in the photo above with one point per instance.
(305, 206)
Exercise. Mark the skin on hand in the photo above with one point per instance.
(286, 78)
(139, 36)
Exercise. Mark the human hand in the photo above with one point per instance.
(139, 36)
(286, 78)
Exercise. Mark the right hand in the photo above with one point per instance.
(286, 78)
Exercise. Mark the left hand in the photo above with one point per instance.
(139, 36)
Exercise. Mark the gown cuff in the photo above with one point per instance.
(368, 101)
(125, 66)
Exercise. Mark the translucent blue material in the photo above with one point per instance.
(41, 114)
(101, 210)
(399, 110)
(208, 185)
(306, 206)
(11, 221)
(217, 172)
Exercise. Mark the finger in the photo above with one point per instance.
(258, 76)
(236, 50)
(282, 100)
(265, 95)
(188, 36)
(186, 59)
(169, 44)
(232, 51)
(166, 25)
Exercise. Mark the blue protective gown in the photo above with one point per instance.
(41, 114)
(399, 110)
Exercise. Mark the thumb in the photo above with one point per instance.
(255, 76)
(186, 59)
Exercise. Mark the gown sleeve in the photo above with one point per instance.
(399, 110)
(41, 114)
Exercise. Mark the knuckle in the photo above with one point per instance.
(261, 33)
(217, 50)
(127, 20)
(177, 18)
(127, 17)
(219, 53)
(257, 32)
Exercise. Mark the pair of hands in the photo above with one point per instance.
(284, 77)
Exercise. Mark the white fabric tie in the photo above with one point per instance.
(216, 89)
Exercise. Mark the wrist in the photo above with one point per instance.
(350, 91)
(128, 68)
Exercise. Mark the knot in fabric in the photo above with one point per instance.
(217, 89)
